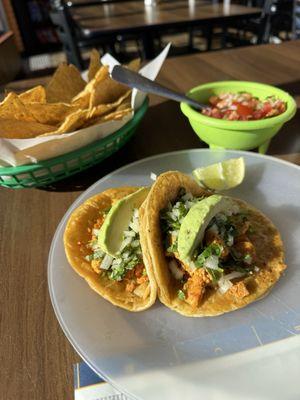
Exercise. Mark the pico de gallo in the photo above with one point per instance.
(243, 107)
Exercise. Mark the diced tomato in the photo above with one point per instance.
(267, 107)
(243, 110)
(258, 114)
(216, 113)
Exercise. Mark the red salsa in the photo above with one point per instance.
(243, 107)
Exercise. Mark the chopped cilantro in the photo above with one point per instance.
(215, 274)
(98, 255)
(172, 248)
(181, 295)
(212, 249)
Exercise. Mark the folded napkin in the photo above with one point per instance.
(90, 386)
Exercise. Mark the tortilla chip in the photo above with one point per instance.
(106, 90)
(78, 230)
(102, 109)
(266, 238)
(113, 116)
(13, 108)
(50, 113)
(125, 105)
(36, 94)
(134, 65)
(82, 99)
(65, 84)
(72, 123)
(15, 129)
(95, 64)
(116, 115)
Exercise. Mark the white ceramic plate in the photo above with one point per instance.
(158, 354)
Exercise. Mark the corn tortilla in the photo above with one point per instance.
(267, 241)
(82, 219)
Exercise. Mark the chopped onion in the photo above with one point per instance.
(95, 232)
(134, 225)
(172, 215)
(129, 234)
(213, 229)
(153, 176)
(135, 213)
(211, 262)
(125, 243)
(188, 204)
(176, 213)
(224, 285)
(225, 281)
(106, 262)
(117, 261)
(256, 269)
(175, 270)
(135, 243)
(187, 196)
(175, 234)
(233, 275)
(230, 240)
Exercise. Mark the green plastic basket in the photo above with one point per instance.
(54, 169)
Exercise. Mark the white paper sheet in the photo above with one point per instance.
(15, 152)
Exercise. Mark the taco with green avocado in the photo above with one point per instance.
(210, 253)
(103, 245)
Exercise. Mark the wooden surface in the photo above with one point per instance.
(130, 15)
(36, 359)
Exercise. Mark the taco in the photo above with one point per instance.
(103, 245)
(210, 253)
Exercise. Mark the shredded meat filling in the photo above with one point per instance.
(195, 287)
(212, 237)
(239, 290)
(245, 248)
(135, 277)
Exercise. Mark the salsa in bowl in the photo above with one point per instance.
(238, 134)
(243, 106)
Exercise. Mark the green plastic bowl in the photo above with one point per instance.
(240, 135)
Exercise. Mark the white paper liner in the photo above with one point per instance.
(16, 152)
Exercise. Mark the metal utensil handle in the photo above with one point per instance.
(135, 80)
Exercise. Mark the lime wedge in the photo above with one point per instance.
(221, 176)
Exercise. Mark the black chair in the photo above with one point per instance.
(61, 18)
(238, 33)
(296, 20)
(73, 40)
(275, 18)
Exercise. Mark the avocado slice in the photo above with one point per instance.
(196, 221)
(117, 221)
